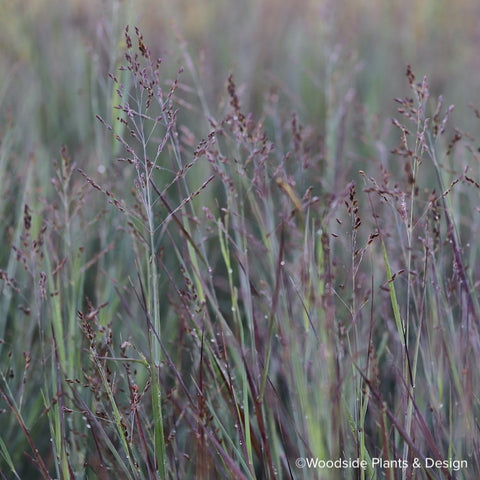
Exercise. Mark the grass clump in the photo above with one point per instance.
(224, 300)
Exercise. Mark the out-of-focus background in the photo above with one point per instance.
(51, 52)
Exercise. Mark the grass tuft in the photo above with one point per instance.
(218, 279)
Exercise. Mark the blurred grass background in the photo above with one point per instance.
(55, 57)
(51, 51)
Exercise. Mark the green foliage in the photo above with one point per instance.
(215, 264)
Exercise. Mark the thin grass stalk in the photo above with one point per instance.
(237, 320)
(12, 263)
(259, 407)
(272, 315)
(7, 396)
(401, 329)
(245, 417)
(360, 392)
(453, 238)
(422, 95)
(56, 415)
(8, 460)
(117, 417)
(71, 270)
(386, 454)
(153, 292)
(102, 438)
(232, 464)
(247, 344)
(202, 470)
(154, 338)
(243, 421)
